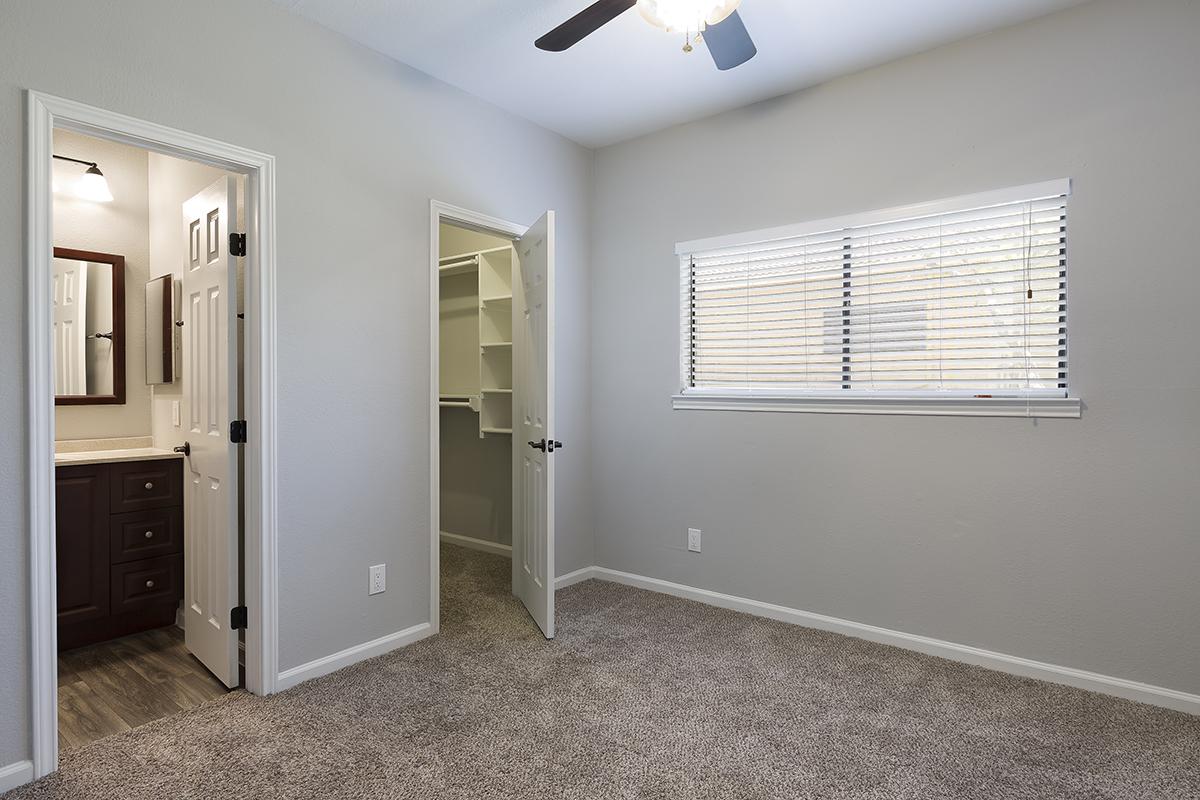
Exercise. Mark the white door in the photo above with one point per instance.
(533, 422)
(210, 532)
(70, 318)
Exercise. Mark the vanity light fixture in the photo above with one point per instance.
(92, 185)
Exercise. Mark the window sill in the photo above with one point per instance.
(1041, 407)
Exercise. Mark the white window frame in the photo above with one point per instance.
(1051, 403)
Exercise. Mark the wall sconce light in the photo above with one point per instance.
(92, 185)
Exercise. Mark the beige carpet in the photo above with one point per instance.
(643, 696)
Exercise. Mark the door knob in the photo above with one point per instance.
(552, 445)
(540, 445)
(185, 448)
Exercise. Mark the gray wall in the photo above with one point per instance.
(362, 144)
(1069, 541)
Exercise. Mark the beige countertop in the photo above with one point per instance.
(110, 456)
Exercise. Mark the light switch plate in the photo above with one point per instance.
(175, 413)
(377, 579)
(694, 540)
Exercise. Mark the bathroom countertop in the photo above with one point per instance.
(111, 456)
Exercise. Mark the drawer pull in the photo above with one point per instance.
(149, 534)
(149, 485)
(149, 584)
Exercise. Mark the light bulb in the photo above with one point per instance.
(686, 15)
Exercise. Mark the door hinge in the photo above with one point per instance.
(237, 244)
(238, 618)
(237, 431)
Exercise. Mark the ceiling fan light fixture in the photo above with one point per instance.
(686, 16)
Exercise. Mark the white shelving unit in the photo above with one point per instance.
(484, 387)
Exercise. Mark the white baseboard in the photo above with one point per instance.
(1001, 662)
(352, 655)
(562, 581)
(495, 548)
(16, 774)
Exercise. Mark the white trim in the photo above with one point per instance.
(42, 584)
(439, 211)
(473, 543)
(1001, 662)
(571, 578)
(1041, 407)
(1032, 191)
(16, 774)
(352, 655)
(45, 113)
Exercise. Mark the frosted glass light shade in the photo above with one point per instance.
(686, 15)
(93, 186)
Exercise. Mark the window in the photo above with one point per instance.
(957, 306)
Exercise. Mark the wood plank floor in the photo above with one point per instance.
(113, 686)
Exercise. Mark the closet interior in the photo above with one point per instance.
(475, 272)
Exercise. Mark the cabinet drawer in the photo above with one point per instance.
(145, 534)
(138, 584)
(140, 485)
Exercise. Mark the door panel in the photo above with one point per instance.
(533, 421)
(210, 381)
(70, 322)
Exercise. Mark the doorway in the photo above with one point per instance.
(139, 492)
(492, 400)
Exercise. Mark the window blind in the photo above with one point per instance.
(966, 302)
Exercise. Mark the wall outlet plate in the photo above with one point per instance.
(694, 540)
(377, 579)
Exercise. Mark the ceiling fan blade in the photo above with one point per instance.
(582, 24)
(730, 42)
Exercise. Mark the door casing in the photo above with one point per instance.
(45, 113)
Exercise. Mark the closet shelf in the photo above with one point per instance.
(503, 431)
(457, 265)
(496, 391)
(500, 298)
(470, 401)
(486, 345)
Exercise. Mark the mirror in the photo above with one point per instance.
(160, 330)
(89, 327)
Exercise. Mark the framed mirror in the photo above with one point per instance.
(89, 328)
(160, 330)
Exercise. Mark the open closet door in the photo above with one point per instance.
(533, 422)
(210, 557)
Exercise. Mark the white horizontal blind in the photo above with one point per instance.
(969, 301)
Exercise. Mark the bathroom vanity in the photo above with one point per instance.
(119, 545)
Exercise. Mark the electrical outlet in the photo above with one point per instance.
(377, 579)
(694, 540)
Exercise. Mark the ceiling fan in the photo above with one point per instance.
(715, 22)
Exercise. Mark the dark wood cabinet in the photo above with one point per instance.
(119, 544)
(81, 548)
(145, 534)
(138, 485)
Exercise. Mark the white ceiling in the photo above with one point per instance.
(629, 78)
